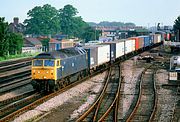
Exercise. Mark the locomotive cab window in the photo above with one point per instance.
(38, 63)
(49, 63)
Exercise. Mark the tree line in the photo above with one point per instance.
(10, 43)
(47, 20)
(111, 24)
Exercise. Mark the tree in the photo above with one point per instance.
(15, 43)
(176, 27)
(4, 44)
(45, 44)
(79, 27)
(67, 19)
(89, 34)
(42, 20)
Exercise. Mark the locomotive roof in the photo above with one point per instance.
(63, 53)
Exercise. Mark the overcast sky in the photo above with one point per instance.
(140, 12)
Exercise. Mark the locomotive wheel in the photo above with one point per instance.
(52, 89)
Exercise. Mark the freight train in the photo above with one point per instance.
(56, 69)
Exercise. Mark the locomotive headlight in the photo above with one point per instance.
(38, 72)
(52, 71)
(34, 72)
(47, 72)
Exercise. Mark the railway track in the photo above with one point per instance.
(105, 108)
(14, 66)
(9, 86)
(11, 62)
(14, 74)
(28, 103)
(18, 102)
(145, 107)
(14, 79)
(16, 98)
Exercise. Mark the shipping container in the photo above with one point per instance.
(147, 41)
(129, 46)
(97, 54)
(116, 49)
(157, 38)
(141, 43)
(119, 49)
(151, 39)
(136, 42)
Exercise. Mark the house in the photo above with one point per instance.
(16, 27)
(31, 45)
(56, 45)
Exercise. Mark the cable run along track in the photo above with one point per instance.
(105, 108)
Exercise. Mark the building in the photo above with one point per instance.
(31, 45)
(56, 45)
(16, 27)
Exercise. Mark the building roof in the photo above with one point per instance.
(33, 41)
(54, 41)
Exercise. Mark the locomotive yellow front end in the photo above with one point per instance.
(44, 73)
(43, 69)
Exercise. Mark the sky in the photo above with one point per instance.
(141, 12)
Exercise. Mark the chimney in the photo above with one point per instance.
(16, 20)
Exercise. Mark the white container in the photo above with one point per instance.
(103, 54)
(129, 46)
(159, 38)
(119, 49)
(97, 55)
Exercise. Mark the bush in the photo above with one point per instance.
(23, 55)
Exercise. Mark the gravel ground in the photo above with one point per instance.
(67, 105)
(72, 103)
(167, 98)
(16, 92)
(130, 71)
